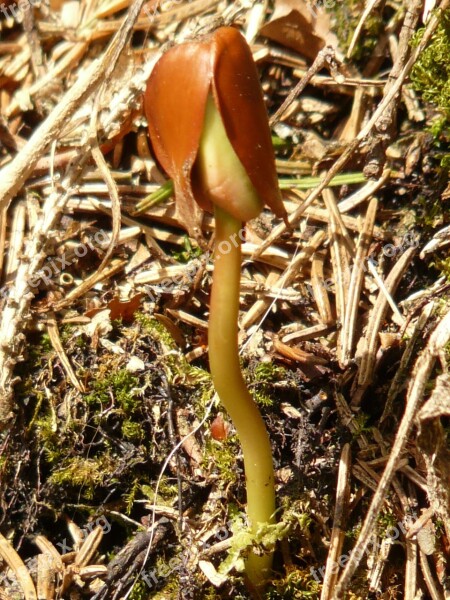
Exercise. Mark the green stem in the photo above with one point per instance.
(231, 388)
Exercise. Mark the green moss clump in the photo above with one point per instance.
(220, 459)
(262, 379)
(132, 431)
(443, 265)
(167, 492)
(299, 584)
(140, 591)
(156, 330)
(88, 473)
(268, 372)
(431, 73)
(120, 385)
(431, 77)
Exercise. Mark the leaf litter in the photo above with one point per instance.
(345, 324)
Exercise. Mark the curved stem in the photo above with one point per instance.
(231, 388)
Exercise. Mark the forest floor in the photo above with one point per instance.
(121, 475)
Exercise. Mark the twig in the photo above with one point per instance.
(356, 281)
(326, 56)
(384, 128)
(338, 531)
(29, 26)
(396, 383)
(368, 344)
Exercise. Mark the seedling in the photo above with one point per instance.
(209, 130)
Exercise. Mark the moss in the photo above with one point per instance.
(220, 459)
(167, 492)
(140, 591)
(431, 73)
(262, 399)
(38, 351)
(443, 266)
(86, 473)
(165, 571)
(386, 521)
(209, 593)
(298, 584)
(189, 251)
(46, 344)
(45, 428)
(430, 76)
(121, 386)
(360, 421)
(430, 213)
(178, 368)
(262, 380)
(268, 372)
(155, 330)
(132, 431)
(130, 496)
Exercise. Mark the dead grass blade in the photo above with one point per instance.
(405, 361)
(16, 240)
(53, 333)
(432, 586)
(292, 271)
(422, 371)
(338, 531)
(340, 260)
(348, 333)
(319, 289)
(368, 344)
(15, 563)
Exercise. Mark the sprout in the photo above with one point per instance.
(209, 130)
